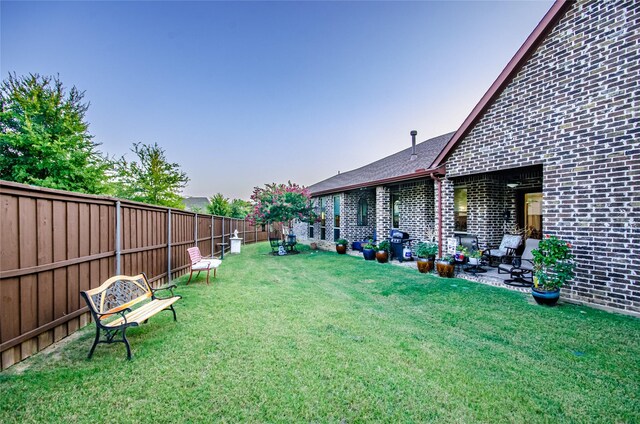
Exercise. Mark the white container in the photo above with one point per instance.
(236, 243)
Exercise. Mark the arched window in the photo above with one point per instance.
(363, 211)
(395, 210)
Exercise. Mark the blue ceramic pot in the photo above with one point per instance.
(369, 254)
(543, 297)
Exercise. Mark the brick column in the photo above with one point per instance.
(383, 211)
(447, 210)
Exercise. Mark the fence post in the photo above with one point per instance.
(222, 242)
(118, 241)
(244, 230)
(213, 251)
(195, 230)
(169, 245)
(255, 229)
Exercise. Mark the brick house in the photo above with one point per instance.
(553, 147)
(393, 192)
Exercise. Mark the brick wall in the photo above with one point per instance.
(302, 230)
(574, 109)
(416, 208)
(350, 228)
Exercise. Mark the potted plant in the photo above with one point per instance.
(369, 251)
(552, 267)
(341, 246)
(313, 245)
(446, 266)
(475, 257)
(461, 253)
(426, 253)
(382, 251)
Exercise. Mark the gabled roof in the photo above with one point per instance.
(397, 167)
(192, 203)
(509, 72)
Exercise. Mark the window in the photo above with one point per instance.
(323, 220)
(533, 214)
(310, 231)
(460, 209)
(395, 210)
(336, 217)
(363, 210)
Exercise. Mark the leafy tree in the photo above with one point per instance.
(219, 205)
(151, 180)
(281, 204)
(240, 208)
(44, 138)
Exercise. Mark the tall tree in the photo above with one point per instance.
(281, 204)
(240, 208)
(219, 205)
(152, 179)
(44, 138)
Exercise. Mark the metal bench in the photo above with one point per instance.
(111, 307)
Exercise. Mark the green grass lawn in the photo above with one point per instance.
(319, 337)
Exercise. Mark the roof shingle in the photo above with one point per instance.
(394, 166)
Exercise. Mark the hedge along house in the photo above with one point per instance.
(553, 147)
(393, 192)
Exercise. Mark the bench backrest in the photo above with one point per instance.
(118, 293)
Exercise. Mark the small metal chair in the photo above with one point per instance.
(501, 254)
(521, 268)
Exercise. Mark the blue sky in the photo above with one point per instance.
(245, 93)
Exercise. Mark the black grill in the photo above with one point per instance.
(398, 236)
(398, 239)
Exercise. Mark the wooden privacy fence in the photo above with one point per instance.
(53, 244)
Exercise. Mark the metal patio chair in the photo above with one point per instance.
(521, 268)
(496, 255)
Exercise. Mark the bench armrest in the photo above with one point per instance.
(121, 312)
(170, 288)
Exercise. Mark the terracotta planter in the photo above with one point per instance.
(382, 256)
(314, 246)
(341, 249)
(445, 269)
(425, 265)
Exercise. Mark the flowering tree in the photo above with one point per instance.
(281, 204)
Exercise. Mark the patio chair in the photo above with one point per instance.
(198, 263)
(506, 250)
(469, 241)
(275, 244)
(521, 269)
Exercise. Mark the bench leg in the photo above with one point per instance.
(95, 342)
(174, 313)
(190, 275)
(126, 343)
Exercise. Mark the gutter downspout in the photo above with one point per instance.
(439, 184)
